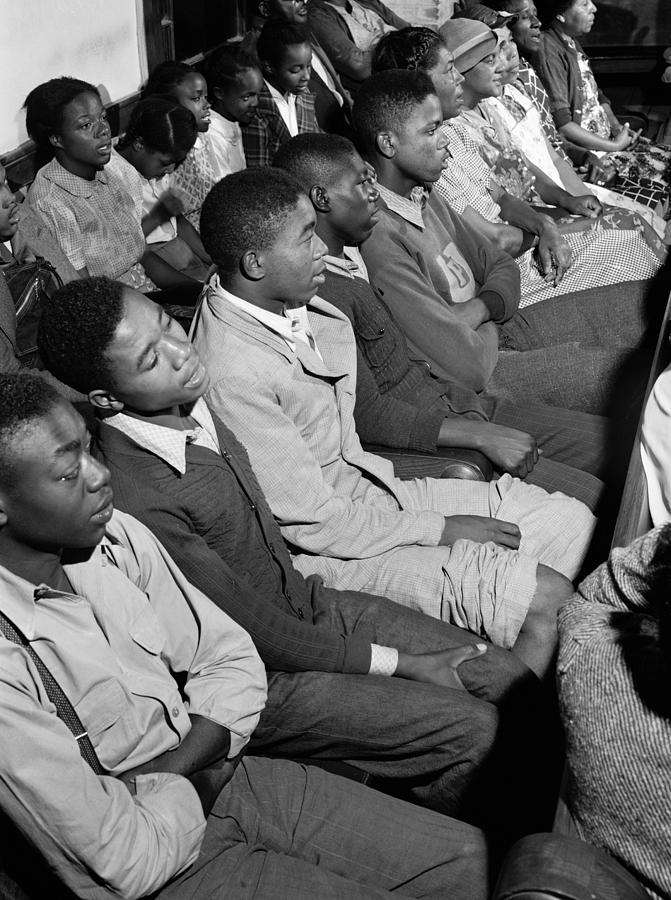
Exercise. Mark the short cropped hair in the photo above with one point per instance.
(408, 48)
(246, 211)
(275, 37)
(24, 398)
(44, 107)
(164, 125)
(315, 159)
(386, 99)
(77, 326)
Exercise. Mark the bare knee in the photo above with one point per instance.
(552, 591)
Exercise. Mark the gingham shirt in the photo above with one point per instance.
(169, 444)
(97, 223)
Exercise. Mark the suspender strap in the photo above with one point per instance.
(64, 709)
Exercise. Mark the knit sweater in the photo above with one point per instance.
(398, 402)
(407, 263)
(610, 669)
(215, 523)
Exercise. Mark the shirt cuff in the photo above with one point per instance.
(383, 660)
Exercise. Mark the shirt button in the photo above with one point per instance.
(380, 331)
(252, 506)
(300, 613)
(174, 712)
(271, 547)
(225, 454)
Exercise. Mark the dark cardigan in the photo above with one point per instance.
(398, 402)
(557, 65)
(215, 523)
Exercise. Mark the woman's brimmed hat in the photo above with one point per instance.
(469, 41)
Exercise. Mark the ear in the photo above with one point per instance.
(251, 266)
(138, 144)
(103, 400)
(384, 144)
(3, 514)
(55, 141)
(266, 69)
(560, 18)
(217, 92)
(319, 198)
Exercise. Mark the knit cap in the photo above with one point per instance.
(470, 41)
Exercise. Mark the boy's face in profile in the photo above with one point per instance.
(60, 497)
(420, 143)
(153, 364)
(293, 266)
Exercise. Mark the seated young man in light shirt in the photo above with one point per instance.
(282, 363)
(153, 797)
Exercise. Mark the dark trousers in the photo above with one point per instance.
(464, 753)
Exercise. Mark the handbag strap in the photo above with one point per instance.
(64, 709)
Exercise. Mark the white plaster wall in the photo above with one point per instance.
(100, 41)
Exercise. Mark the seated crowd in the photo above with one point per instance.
(341, 249)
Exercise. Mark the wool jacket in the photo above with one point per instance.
(398, 402)
(407, 263)
(267, 131)
(215, 523)
(559, 70)
(612, 675)
(294, 412)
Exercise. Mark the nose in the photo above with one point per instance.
(373, 194)
(179, 350)
(458, 77)
(97, 474)
(442, 140)
(103, 128)
(7, 197)
(320, 248)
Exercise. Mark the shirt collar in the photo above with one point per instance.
(279, 324)
(350, 264)
(169, 444)
(409, 208)
(73, 184)
(20, 597)
(288, 99)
